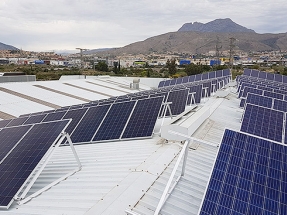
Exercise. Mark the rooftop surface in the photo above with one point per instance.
(120, 175)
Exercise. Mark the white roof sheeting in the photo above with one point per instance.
(131, 174)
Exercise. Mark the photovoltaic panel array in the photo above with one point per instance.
(265, 75)
(35, 119)
(249, 177)
(197, 77)
(20, 162)
(76, 116)
(263, 122)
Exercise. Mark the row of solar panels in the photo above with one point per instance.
(265, 75)
(121, 120)
(250, 172)
(21, 150)
(194, 78)
(249, 177)
(197, 90)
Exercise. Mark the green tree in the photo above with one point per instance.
(171, 66)
(102, 66)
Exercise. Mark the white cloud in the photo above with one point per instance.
(66, 24)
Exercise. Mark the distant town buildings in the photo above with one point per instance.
(127, 60)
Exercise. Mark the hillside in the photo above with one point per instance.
(7, 47)
(202, 42)
(218, 25)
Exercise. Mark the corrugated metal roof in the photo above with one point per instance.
(119, 175)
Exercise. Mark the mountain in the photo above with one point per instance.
(7, 47)
(218, 25)
(202, 42)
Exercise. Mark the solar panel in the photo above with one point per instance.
(86, 129)
(178, 99)
(185, 79)
(198, 92)
(250, 90)
(161, 84)
(280, 105)
(3, 123)
(218, 73)
(17, 167)
(34, 119)
(208, 86)
(179, 80)
(254, 73)
(113, 124)
(17, 121)
(284, 79)
(270, 76)
(211, 75)
(247, 72)
(76, 116)
(143, 118)
(273, 95)
(226, 72)
(204, 76)
(198, 77)
(166, 83)
(54, 116)
(263, 122)
(9, 137)
(259, 100)
(172, 82)
(248, 177)
(278, 77)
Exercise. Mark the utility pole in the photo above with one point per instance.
(231, 51)
(81, 55)
(218, 47)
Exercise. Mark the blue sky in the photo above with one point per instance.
(67, 24)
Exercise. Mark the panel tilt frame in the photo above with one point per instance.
(23, 199)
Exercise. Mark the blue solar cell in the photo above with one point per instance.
(76, 116)
(17, 121)
(143, 118)
(188, 79)
(284, 79)
(3, 123)
(247, 192)
(263, 122)
(115, 121)
(207, 86)
(17, 167)
(54, 116)
(254, 73)
(247, 72)
(9, 137)
(35, 119)
(161, 84)
(86, 129)
(211, 75)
